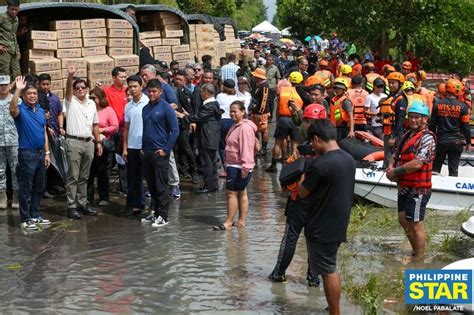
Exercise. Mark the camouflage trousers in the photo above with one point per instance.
(8, 154)
(9, 65)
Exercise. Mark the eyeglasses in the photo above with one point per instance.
(197, 69)
(77, 88)
(93, 98)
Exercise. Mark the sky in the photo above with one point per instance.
(271, 5)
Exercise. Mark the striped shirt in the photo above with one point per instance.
(229, 71)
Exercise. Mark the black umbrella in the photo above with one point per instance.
(58, 156)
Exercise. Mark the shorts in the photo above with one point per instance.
(413, 202)
(285, 127)
(234, 182)
(322, 257)
(261, 120)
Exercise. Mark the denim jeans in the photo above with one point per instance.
(31, 177)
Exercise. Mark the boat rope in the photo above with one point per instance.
(378, 182)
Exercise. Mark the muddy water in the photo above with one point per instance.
(111, 263)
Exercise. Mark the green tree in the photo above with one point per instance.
(250, 13)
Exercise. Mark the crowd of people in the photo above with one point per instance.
(176, 122)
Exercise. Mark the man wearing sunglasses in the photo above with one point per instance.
(82, 131)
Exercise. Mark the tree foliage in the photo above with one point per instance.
(250, 13)
(440, 32)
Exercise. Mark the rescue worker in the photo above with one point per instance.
(406, 67)
(369, 77)
(345, 71)
(408, 91)
(324, 73)
(387, 69)
(358, 95)
(9, 50)
(285, 127)
(441, 92)
(392, 110)
(450, 123)
(411, 168)
(341, 109)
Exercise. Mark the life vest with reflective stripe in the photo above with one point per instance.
(288, 93)
(369, 81)
(410, 99)
(325, 75)
(358, 97)
(387, 111)
(339, 115)
(422, 177)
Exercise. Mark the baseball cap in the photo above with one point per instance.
(4, 79)
(229, 83)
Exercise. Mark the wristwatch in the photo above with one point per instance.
(47, 152)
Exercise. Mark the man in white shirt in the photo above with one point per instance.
(372, 102)
(82, 131)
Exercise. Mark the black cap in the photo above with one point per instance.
(163, 64)
(378, 82)
(357, 80)
(229, 83)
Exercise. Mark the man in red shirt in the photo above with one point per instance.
(116, 93)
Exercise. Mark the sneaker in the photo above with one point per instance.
(149, 218)
(175, 192)
(47, 195)
(15, 201)
(28, 225)
(147, 194)
(41, 221)
(103, 203)
(159, 221)
(274, 278)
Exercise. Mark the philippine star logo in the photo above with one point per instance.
(439, 290)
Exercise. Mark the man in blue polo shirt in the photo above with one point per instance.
(33, 152)
(160, 132)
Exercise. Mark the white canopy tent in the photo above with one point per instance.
(286, 31)
(266, 27)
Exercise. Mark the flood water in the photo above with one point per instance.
(115, 264)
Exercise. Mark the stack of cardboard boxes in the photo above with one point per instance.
(94, 46)
(202, 41)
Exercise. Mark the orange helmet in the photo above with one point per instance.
(323, 63)
(406, 65)
(453, 86)
(369, 66)
(442, 88)
(387, 67)
(421, 75)
(396, 76)
(315, 111)
(314, 79)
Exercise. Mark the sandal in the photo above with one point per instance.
(220, 227)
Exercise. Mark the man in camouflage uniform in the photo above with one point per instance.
(8, 144)
(9, 50)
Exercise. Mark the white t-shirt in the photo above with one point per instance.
(372, 101)
(246, 98)
(224, 101)
(80, 116)
(133, 116)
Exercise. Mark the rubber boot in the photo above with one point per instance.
(15, 202)
(3, 200)
(272, 168)
(263, 149)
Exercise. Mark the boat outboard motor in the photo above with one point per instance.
(468, 227)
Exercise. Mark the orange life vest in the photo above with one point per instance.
(288, 93)
(428, 97)
(338, 114)
(357, 97)
(325, 75)
(410, 99)
(387, 110)
(422, 177)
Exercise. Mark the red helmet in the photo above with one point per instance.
(315, 111)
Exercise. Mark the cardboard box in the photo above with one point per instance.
(58, 93)
(43, 44)
(56, 85)
(126, 61)
(120, 33)
(170, 20)
(44, 65)
(117, 23)
(204, 28)
(64, 25)
(119, 51)
(184, 62)
(183, 55)
(152, 42)
(152, 34)
(173, 27)
(171, 41)
(93, 51)
(43, 35)
(162, 49)
(99, 74)
(55, 75)
(92, 23)
(206, 46)
(180, 48)
(38, 53)
(77, 62)
(204, 37)
(165, 15)
(100, 63)
(131, 70)
(94, 32)
(69, 53)
(80, 72)
(97, 41)
(70, 43)
(164, 57)
(170, 33)
(120, 42)
(75, 33)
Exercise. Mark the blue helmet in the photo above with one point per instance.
(419, 107)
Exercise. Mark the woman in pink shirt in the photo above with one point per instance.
(108, 125)
(239, 160)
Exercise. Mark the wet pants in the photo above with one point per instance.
(453, 151)
(155, 169)
(8, 154)
(134, 180)
(31, 175)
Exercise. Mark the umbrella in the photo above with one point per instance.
(58, 156)
(256, 36)
(287, 41)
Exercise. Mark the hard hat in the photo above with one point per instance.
(345, 69)
(453, 86)
(422, 75)
(369, 66)
(418, 107)
(387, 67)
(314, 79)
(343, 83)
(295, 77)
(396, 76)
(315, 111)
(442, 88)
(323, 63)
(407, 65)
(408, 85)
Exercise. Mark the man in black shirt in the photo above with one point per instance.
(329, 184)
